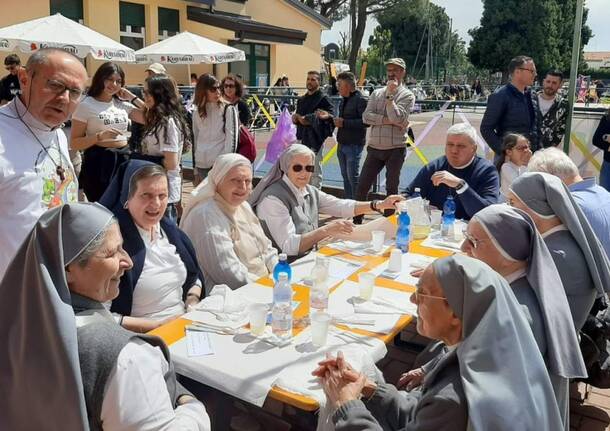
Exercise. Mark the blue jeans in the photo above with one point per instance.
(604, 176)
(349, 162)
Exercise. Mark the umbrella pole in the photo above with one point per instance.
(188, 66)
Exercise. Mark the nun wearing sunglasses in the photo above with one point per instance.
(289, 207)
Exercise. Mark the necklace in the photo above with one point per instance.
(59, 167)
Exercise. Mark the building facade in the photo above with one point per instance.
(279, 37)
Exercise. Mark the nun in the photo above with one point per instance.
(578, 255)
(289, 207)
(229, 240)
(165, 279)
(71, 366)
(507, 240)
(501, 386)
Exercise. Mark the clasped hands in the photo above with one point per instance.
(445, 177)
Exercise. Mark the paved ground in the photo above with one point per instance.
(589, 407)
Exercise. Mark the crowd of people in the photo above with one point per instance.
(94, 277)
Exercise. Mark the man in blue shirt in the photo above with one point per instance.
(510, 108)
(472, 180)
(593, 200)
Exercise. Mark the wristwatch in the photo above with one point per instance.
(461, 184)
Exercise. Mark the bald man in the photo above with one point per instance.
(35, 169)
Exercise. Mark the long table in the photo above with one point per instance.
(175, 330)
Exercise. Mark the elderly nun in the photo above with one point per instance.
(165, 279)
(71, 366)
(507, 240)
(578, 255)
(230, 243)
(490, 378)
(289, 207)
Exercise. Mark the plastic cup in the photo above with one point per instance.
(320, 322)
(395, 263)
(435, 218)
(377, 238)
(257, 313)
(367, 282)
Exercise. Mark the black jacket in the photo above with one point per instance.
(354, 130)
(603, 128)
(509, 110)
(313, 136)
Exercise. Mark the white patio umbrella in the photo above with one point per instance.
(189, 48)
(57, 31)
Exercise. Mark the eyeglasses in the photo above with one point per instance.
(215, 88)
(532, 71)
(58, 88)
(299, 168)
(417, 294)
(229, 85)
(473, 241)
(523, 148)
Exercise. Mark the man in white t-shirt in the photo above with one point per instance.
(551, 110)
(35, 168)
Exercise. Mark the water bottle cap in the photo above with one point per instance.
(282, 276)
(283, 256)
(417, 190)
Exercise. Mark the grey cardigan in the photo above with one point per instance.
(441, 404)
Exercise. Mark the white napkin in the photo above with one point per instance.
(225, 304)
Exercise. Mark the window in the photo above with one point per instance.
(169, 22)
(132, 21)
(72, 9)
(255, 70)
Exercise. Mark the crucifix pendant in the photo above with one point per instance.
(61, 173)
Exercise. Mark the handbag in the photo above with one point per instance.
(246, 145)
(595, 344)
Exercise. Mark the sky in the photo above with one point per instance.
(466, 14)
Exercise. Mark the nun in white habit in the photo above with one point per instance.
(231, 246)
(494, 362)
(578, 255)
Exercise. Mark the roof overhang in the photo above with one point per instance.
(245, 27)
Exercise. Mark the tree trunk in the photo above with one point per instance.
(358, 13)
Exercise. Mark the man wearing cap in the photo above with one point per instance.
(387, 112)
(155, 69)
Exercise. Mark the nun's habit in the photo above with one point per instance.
(547, 196)
(40, 384)
(540, 290)
(115, 199)
(505, 385)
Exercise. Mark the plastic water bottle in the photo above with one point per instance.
(281, 313)
(416, 193)
(448, 222)
(403, 233)
(318, 294)
(282, 266)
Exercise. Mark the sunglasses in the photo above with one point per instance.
(215, 88)
(299, 168)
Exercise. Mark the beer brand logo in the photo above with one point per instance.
(3, 43)
(178, 59)
(69, 48)
(115, 54)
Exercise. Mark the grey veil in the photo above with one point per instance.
(515, 236)
(40, 384)
(546, 195)
(502, 371)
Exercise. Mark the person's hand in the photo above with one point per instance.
(336, 362)
(390, 202)
(417, 272)
(183, 399)
(125, 94)
(109, 134)
(391, 87)
(322, 114)
(295, 118)
(339, 227)
(444, 177)
(191, 301)
(412, 379)
(338, 121)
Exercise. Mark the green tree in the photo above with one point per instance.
(541, 29)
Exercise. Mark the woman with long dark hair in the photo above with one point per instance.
(166, 132)
(232, 90)
(215, 125)
(99, 127)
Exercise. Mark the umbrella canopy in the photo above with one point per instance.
(189, 48)
(57, 31)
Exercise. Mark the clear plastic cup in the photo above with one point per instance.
(320, 323)
(395, 262)
(367, 282)
(257, 313)
(377, 239)
(435, 218)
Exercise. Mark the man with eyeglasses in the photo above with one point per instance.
(35, 168)
(9, 86)
(510, 108)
